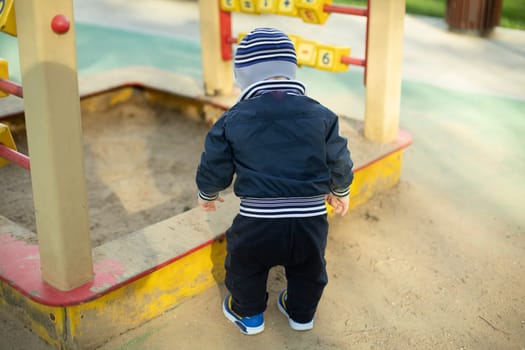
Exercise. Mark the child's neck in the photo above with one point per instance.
(278, 78)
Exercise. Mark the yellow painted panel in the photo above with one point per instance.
(312, 11)
(4, 73)
(7, 17)
(306, 53)
(287, 8)
(5, 137)
(267, 6)
(329, 58)
(313, 16)
(7, 140)
(248, 6)
(230, 5)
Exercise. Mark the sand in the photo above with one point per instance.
(140, 163)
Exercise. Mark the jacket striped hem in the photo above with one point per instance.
(293, 207)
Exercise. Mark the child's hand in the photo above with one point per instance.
(209, 205)
(340, 204)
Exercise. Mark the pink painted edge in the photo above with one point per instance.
(23, 274)
(404, 140)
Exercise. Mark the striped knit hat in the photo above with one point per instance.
(262, 54)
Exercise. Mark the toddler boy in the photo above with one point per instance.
(288, 157)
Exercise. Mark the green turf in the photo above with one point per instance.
(513, 14)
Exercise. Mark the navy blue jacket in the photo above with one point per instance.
(279, 143)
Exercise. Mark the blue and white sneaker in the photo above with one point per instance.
(248, 325)
(281, 304)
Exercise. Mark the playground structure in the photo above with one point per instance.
(384, 39)
(81, 293)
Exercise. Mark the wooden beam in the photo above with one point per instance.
(48, 63)
(217, 73)
(383, 72)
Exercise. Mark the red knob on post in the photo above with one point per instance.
(60, 24)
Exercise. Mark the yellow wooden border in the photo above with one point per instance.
(91, 323)
(375, 177)
(6, 139)
(88, 325)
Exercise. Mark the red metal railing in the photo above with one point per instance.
(346, 10)
(225, 22)
(11, 88)
(14, 156)
(353, 61)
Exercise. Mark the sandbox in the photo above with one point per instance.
(143, 133)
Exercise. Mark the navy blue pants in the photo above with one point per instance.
(255, 245)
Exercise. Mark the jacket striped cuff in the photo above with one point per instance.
(207, 196)
(341, 193)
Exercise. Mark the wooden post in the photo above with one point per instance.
(217, 73)
(383, 72)
(52, 111)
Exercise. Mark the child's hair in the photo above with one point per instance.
(262, 54)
